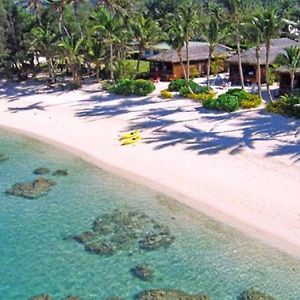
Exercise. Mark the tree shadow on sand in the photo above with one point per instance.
(33, 106)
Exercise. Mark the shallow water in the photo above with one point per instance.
(36, 257)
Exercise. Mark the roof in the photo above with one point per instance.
(277, 47)
(286, 70)
(197, 51)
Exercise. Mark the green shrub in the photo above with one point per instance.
(224, 102)
(202, 96)
(166, 94)
(251, 101)
(182, 84)
(175, 85)
(239, 93)
(128, 87)
(288, 105)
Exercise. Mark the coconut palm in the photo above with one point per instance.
(71, 46)
(234, 9)
(175, 37)
(45, 42)
(290, 59)
(109, 29)
(254, 33)
(212, 33)
(147, 33)
(271, 24)
(186, 16)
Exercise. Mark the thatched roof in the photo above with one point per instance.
(197, 51)
(277, 47)
(286, 70)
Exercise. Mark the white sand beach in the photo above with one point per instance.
(242, 168)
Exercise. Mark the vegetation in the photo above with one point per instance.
(287, 105)
(166, 94)
(138, 87)
(233, 100)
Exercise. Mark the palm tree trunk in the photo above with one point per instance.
(258, 70)
(187, 61)
(292, 81)
(238, 41)
(268, 70)
(139, 59)
(111, 61)
(181, 63)
(208, 65)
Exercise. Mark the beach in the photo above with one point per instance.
(241, 168)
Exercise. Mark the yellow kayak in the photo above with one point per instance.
(131, 140)
(129, 135)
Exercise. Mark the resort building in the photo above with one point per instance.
(284, 79)
(249, 63)
(166, 65)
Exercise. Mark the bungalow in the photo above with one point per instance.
(166, 65)
(285, 80)
(249, 61)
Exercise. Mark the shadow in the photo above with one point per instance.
(33, 106)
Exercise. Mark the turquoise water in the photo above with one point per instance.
(36, 257)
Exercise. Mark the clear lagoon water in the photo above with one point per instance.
(36, 257)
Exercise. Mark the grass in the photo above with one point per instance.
(144, 65)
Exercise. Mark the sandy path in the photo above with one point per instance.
(242, 168)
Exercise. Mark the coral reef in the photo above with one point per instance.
(41, 297)
(164, 294)
(142, 272)
(125, 231)
(41, 171)
(60, 172)
(31, 190)
(3, 157)
(254, 294)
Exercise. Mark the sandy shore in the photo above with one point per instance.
(241, 168)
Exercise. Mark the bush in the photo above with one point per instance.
(202, 96)
(166, 94)
(175, 85)
(128, 87)
(224, 102)
(239, 93)
(182, 84)
(287, 105)
(251, 101)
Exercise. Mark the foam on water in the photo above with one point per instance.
(36, 257)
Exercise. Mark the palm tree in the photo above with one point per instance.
(45, 42)
(290, 59)
(71, 48)
(147, 33)
(212, 33)
(175, 37)
(254, 33)
(109, 30)
(235, 8)
(271, 24)
(187, 18)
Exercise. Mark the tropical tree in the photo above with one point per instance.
(212, 33)
(290, 59)
(186, 16)
(45, 42)
(147, 33)
(271, 23)
(235, 12)
(71, 46)
(254, 33)
(109, 29)
(175, 37)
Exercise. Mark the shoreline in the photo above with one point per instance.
(264, 237)
(247, 190)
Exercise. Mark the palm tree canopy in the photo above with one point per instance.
(290, 58)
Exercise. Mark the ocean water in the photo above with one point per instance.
(36, 257)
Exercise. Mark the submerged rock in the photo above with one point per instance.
(142, 272)
(60, 172)
(114, 298)
(124, 231)
(165, 294)
(41, 171)
(71, 297)
(31, 190)
(254, 294)
(41, 297)
(3, 157)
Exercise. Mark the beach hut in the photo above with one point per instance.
(249, 63)
(166, 65)
(284, 78)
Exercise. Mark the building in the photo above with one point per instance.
(166, 65)
(284, 78)
(249, 63)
